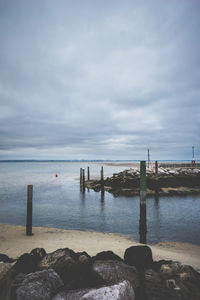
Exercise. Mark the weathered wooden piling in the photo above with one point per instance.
(143, 224)
(156, 167)
(29, 209)
(102, 179)
(81, 177)
(83, 181)
(88, 173)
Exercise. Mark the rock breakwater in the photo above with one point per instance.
(179, 181)
(67, 275)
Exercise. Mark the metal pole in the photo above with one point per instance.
(148, 158)
(193, 152)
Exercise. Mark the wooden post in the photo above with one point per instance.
(156, 167)
(143, 186)
(88, 173)
(102, 179)
(143, 224)
(81, 176)
(29, 209)
(83, 181)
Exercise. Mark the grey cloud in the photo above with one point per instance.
(99, 79)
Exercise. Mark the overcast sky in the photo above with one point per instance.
(99, 79)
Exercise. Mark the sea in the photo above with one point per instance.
(58, 202)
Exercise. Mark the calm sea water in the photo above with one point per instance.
(58, 202)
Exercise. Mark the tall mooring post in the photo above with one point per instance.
(83, 181)
(156, 167)
(102, 179)
(29, 209)
(143, 224)
(81, 177)
(88, 173)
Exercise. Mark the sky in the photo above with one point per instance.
(102, 79)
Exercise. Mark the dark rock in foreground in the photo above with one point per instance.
(112, 272)
(121, 291)
(106, 255)
(66, 275)
(139, 256)
(41, 285)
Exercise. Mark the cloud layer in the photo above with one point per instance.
(99, 79)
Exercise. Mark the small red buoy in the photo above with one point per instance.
(56, 175)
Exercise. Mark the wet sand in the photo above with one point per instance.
(14, 242)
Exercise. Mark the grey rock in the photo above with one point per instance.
(5, 280)
(106, 255)
(42, 285)
(71, 295)
(112, 272)
(61, 261)
(175, 281)
(121, 291)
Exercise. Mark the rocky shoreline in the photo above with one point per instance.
(179, 181)
(67, 275)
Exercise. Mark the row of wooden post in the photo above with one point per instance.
(142, 227)
(82, 178)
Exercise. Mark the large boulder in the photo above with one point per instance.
(112, 272)
(174, 281)
(139, 256)
(38, 254)
(71, 294)
(106, 255)
(60, 261)
(6, 273)
(26, 263)
(42, 285)
(121, 291)
(155, 288)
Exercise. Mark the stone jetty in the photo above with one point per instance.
(67, 275)
(168, 181)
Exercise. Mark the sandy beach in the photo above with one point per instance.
(14, 242)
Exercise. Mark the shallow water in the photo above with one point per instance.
(58, 202)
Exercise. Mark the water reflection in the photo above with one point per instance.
(143, 224)
(102, 200)
(156, 197)
(156, 215)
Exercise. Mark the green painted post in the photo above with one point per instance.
(143, 188)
